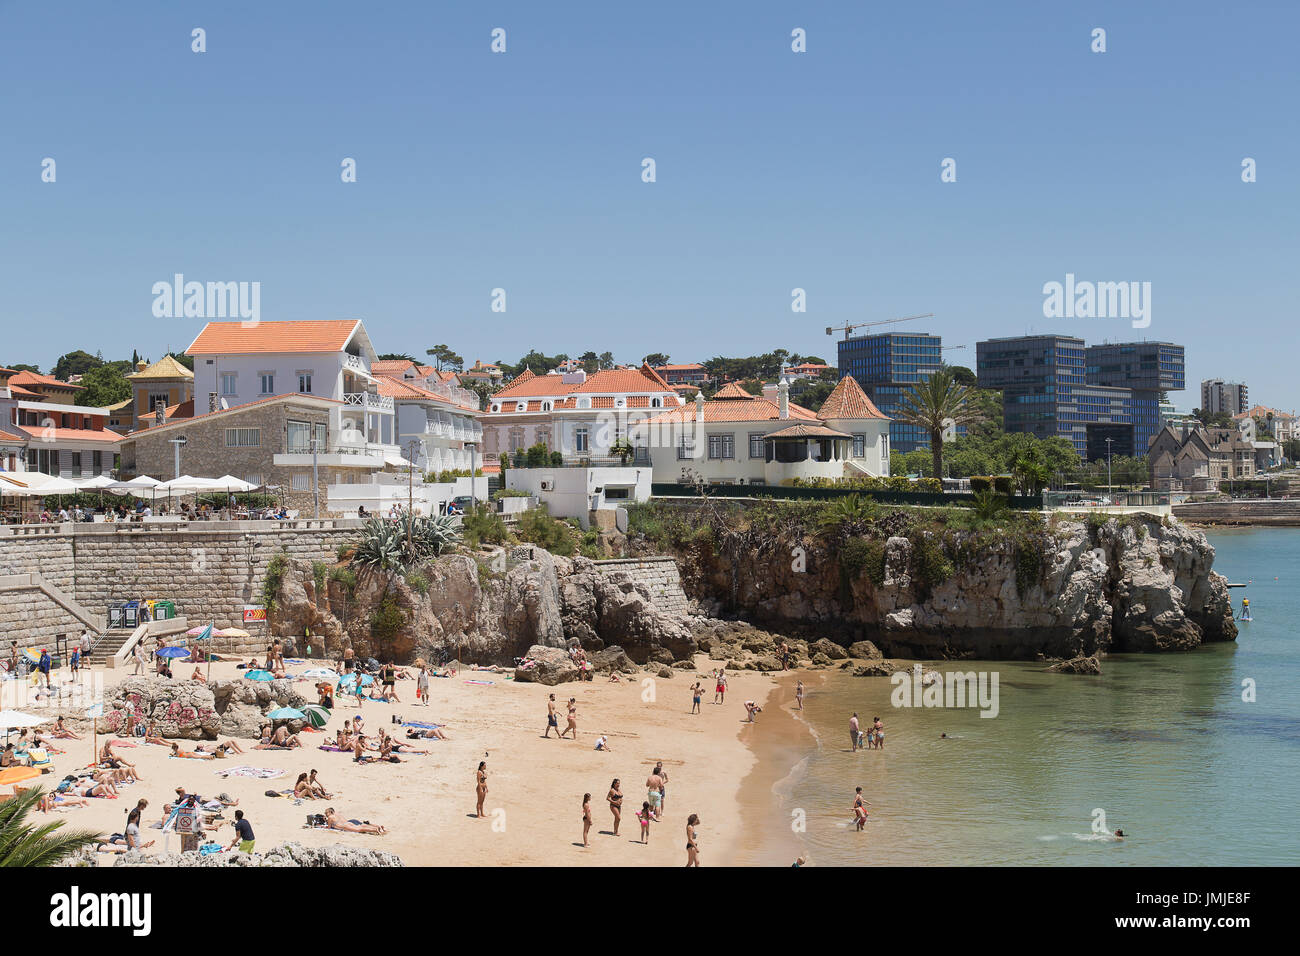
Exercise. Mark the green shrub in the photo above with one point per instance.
(387, 620)
(275, 569)
(320, 574)
(417, 582)
(484, 526)
(536, 526)
(346, 577)
(537, 456)
(511, 493)
(860, 556)
(557, 459)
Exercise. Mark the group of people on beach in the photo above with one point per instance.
(873, 738)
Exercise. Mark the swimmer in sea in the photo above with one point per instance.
(1119, 834)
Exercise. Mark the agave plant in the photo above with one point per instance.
(22, 844)
(398, 544)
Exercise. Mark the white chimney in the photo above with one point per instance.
(783, 400)
(699, 408)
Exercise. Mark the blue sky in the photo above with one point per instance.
(775, 170)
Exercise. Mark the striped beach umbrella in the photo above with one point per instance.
(316, 715)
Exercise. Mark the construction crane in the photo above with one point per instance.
(847, 329)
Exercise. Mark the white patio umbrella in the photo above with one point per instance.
(15, 719)
(98, 483)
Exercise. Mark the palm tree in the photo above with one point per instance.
(25, 845)
(935, 405)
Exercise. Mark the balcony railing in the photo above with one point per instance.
(369, 401)
(356, 362)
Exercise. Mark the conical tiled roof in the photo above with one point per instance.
(165, 368)
(732, 390)
(848, 400)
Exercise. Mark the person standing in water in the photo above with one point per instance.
(853, 732)
(860, 809)
(798, 695)
(880, 733)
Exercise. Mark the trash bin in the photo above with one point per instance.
(131, 614)
(164, 610)
(116, 616)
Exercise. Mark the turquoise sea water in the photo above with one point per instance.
(1164, 745)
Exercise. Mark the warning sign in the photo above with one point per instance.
(254, 614)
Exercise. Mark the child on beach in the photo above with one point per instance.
(697, 691)
(644, 816)
(860, 810)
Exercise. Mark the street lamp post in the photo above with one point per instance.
(473, 497)
(1108, 484)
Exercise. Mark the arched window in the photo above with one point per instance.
(584, 403)
(546, 406)
(520, 406)
(655, 403)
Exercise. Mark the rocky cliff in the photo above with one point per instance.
(1054, 588)
(1051, 588)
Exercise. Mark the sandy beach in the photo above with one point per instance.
(534, 801)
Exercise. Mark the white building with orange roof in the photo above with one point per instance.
(739, 438)
(578, 415)
(58, 437)
(236, 363)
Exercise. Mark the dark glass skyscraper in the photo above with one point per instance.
(888, 365)
(1053, 385)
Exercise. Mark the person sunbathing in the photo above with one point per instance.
(63, 732)
(191, 754)
(282, 738)
(198, 676)
(115, 777)
(88, 788)
(51, 800)
(402, 748)
(425, 733)
(151, 737)
(302, 788)
(335, 822)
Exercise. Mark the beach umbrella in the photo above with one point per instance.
(316, 715)
(196, 631)
(173, 652)
(15, 719)
(18, 774)
(232, 632)
(286, 713)
(321, 673)
(366, 680)
(258, 675)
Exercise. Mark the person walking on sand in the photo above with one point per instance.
(422, 685)
(692, 840)
(798, 695)
(662, 774)
(480, 789)
(697, 692)
(573, 719)
(551, 720)
(615, 799)
(654, 793)
(586, 817)
(853, 732)
(243, 833)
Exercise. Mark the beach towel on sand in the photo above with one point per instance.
(487, 682)
(257, 773)
(335, 750)
(421, 724)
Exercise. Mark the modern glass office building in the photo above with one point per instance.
(1054, 385)
(886, 366)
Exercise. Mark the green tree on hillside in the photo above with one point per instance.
(106, 385)
(655, 359)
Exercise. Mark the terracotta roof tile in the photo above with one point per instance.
(848, 400)
(390, 366)
(28, 379)
(311, 335)
(757, 410)
(5, 436)
(732, 390)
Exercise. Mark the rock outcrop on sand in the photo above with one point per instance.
(289, 854)
(1072, 589)
(190, 710)
(490, 617)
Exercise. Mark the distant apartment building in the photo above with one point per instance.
(50, 433)
(692, 373)
(485, 372)
(1104, 399)
(1282, 426)
(887, 365)
(1220, 396)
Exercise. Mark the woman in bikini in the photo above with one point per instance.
(573, 718)
(586, 817)
(880, 733)
(480, 790)
(151, 736)
(692, 842)
(191, 755)
(61, 731)
(302, 788)
(615, 799)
